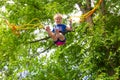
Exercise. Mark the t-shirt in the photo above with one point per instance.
(60, 27)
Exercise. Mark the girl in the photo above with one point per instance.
(58, 32)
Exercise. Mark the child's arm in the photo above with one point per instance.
(69, 28)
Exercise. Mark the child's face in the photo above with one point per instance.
(58, 20)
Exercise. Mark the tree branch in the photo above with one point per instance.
(34, 55)
(39, 40)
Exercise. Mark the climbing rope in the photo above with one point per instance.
(86, 15)
(16, 29)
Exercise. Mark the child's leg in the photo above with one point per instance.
(51, 34)
(59, 35)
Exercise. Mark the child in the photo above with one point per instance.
(58, 32)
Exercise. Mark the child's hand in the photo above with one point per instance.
(70, 21)
(47, 28)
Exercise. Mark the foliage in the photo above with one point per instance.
(89, 54)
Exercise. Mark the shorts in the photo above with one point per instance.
(59, 42)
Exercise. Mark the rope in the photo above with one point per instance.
(16, 29)
(86, 15)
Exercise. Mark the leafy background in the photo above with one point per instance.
(92, 51)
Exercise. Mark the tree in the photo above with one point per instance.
(90, 53)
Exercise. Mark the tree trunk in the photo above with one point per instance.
(88, 8)
(103, 7)
(85, 10)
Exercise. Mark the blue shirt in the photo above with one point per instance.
(60, 27)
